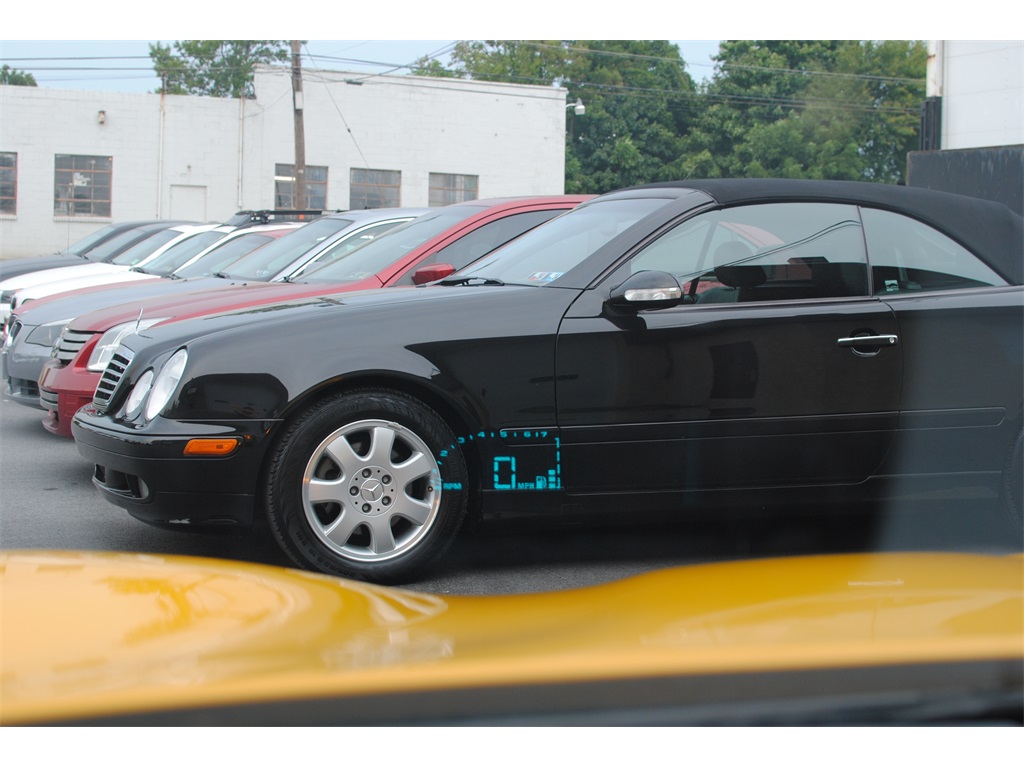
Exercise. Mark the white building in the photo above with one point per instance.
(972, 121)
(72, 161)
(981, 87)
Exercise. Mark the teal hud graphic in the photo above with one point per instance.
(520, 460)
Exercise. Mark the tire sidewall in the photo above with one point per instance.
(283, 487)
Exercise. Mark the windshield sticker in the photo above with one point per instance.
(544, 277)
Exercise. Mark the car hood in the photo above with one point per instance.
(308, 312)
(98, 635)
(35, 292)
(204, 298)
(13, 267)
(82, 269)
(73, 304)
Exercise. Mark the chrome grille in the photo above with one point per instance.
(48, 400)
(111, 378)
(69, 344)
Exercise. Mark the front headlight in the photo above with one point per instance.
(110, 340)
(165, 383)
(47, 335)
(138, 394)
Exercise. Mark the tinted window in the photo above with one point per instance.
(482, 241)
(117, 243)
(180, 253)
(908, 256)
(267, 263)
(385, 251)
(543, 255)
(219, 258)
(142, 250)
(86, 243)
(771, 252)
(350, 242)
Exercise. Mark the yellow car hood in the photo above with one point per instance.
(90, 635)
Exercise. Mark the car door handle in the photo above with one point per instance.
(886, 340)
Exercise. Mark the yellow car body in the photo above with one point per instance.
(140, 639)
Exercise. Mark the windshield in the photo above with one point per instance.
(367, 260)
(269, 261)
(224, 254)
(143, 249)
(117, 243)
(82, 246)
(546, 253)
(180, 253)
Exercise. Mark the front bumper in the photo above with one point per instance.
(63, 389)
(148, 475)
(20, 366)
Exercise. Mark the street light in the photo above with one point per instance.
(577, 108)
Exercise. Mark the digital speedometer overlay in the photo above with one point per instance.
(515, 460)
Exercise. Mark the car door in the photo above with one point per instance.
(962, 335)
(778, 368)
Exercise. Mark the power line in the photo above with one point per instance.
(739, 99)
(726, 65)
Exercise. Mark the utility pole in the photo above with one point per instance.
(300, 133)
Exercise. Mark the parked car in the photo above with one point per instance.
(178, 265)
(115, 247)
(458, 234)
(86, 248)
(876, 351)
(139, 262)
(28, 346)
(834, 640)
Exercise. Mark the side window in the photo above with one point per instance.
(773, 252)
(908, 256)
(349, 244)
(482, 241)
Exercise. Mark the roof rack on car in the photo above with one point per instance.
(249, 218)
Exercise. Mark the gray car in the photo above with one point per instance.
(34, 330)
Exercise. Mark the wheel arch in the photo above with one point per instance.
(459, 418)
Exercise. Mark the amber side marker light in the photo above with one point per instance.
(211, 446)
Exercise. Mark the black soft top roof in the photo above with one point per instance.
(990, 230)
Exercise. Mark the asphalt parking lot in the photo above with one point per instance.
(47, 501)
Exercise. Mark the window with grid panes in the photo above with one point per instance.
(448, 188)
(284, 186)
(82, 185)
(374, 189)
(9, 182)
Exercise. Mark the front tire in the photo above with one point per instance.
(368, 484)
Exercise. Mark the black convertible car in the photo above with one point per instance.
(658, 349)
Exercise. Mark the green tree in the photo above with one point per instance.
(809, 109)
(637, 95)
(10, 76)
(214, 67)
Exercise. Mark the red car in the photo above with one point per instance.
(425, 249)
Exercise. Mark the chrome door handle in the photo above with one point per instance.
(886, 340)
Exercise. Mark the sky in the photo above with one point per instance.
(125, 65)
(383, 36)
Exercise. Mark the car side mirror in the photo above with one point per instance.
(647, 290)
(431, 272)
